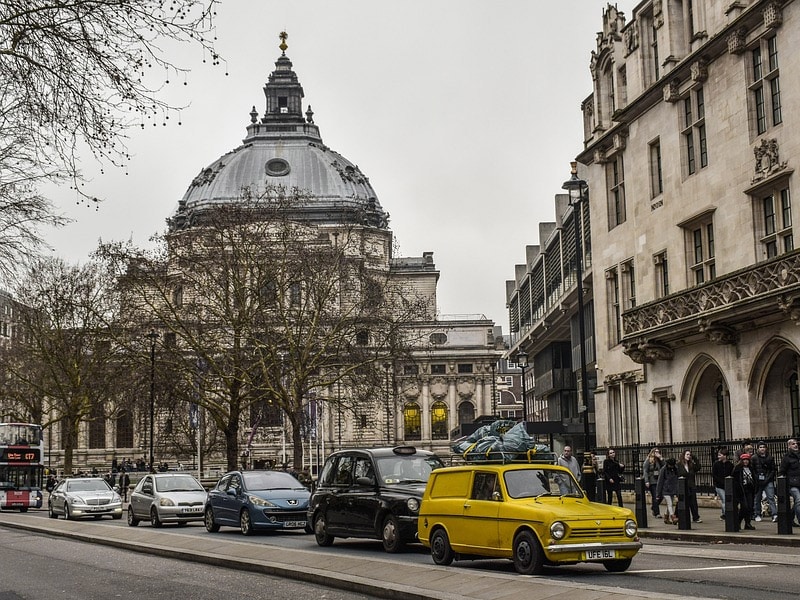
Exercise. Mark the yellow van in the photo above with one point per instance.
(534, 514)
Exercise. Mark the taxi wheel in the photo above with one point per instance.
(390, 535)
(320, 531)
(617, 566)
(154, 520)
(528, 557)
(441, 552)
(132, 520)
(208, 519)
(244, 523)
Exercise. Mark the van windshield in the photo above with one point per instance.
(533, 483)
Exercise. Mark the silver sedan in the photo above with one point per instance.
(78, 497)
(166, 498)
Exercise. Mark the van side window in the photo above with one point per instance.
(483, 486)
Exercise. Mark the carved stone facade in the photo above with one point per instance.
(706, 312)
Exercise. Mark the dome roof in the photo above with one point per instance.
(284, 149)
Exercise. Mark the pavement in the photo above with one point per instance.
(379, 575)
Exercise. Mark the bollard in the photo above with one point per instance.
(785, 512)
(601, 489)
(641, 501)
(684, 516)
(731, 514)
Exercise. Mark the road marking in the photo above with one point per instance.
(696, 569)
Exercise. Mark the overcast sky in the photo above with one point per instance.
(464, 114)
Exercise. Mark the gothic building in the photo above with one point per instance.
(690, 146)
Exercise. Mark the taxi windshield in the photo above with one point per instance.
(535, 483)
(407, 469)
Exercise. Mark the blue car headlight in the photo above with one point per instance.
(257, 501)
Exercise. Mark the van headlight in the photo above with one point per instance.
(413, 505)
(558, 530)
(630, 528)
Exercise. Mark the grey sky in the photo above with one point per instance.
(464, 114)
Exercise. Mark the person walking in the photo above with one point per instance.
(667, 488)
(721, 469)
(589, 475)
(651, 468)
(124, 482)
(612, 471)
(570, 462)
(688, 467)
(744, 488)
(763, 466)
(790, 468)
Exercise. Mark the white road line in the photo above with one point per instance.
(696, 569)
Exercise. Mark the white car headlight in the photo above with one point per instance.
(413, 504)
(630, 528)
(166, 502)
(256, 501)
(558, 530)
(76, 500)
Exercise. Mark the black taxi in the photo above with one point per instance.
(371, 493)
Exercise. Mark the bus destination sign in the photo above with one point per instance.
(19, 455)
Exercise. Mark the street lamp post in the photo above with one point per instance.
(386, 366)
(152, 336)
(522, 361)
(578, 193)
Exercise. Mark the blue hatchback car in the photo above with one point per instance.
(257, 500)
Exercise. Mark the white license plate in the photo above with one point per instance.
(294, 524)
(599, 554)
(192, 509)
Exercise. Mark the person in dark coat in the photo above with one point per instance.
(667, 488)
(651, 467)
(612, 471)
(721, 469)
(744, 489)
(688, 467)
(124, 482)
(763, 466)
(790, 468)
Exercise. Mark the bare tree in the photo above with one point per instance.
(62, 366)
(75, 75)
(264, 309)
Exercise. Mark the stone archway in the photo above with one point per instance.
(771, 386)
(705, 401)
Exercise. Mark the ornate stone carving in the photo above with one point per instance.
(349, 173)
(790, 306)
(438, 388)
(767, 159)
(599, 156)
(631, 35)
(773, 16)
(465, 386)
(648, 351)
(736, 41)
(207, 175)
(718, 333)
(699, 70)
(411, 389)
(672, 91)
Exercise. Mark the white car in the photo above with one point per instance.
(78, 497)
(166, 498)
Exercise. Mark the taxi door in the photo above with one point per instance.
(480, 527)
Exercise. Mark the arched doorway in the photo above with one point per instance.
(706, 399)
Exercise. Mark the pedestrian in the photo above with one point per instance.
(612, 471)
(790, 468)
(667, 488)
(570, 462)
(651, 467)
(589, 475)
(721, 469)
(763, 466)
(688, 467)
(124, 482)
(744, 489)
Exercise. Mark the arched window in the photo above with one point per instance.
(466, 413)
(124, 429)
(794, 398)
(439, 430)
(719, 396)
(97, 427)
(412, 422)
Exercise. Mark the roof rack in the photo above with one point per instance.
(531, 456)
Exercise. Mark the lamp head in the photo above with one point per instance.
(522, 359)
(574, 186)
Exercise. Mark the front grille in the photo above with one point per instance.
(285, 516)
(190, 503)
(98, 501)
(595, 532)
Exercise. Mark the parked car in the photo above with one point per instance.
(167, 498)
(534, 514)
(372, 494)
(78, 497)
(252, 500)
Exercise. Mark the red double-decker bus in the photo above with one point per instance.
(21, 466)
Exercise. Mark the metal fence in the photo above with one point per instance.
(705, 452)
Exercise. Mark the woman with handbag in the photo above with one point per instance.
(688, 467)
(612, 471)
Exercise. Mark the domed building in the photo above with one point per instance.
(423, 397)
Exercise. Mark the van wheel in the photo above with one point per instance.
(320, 531)
(441, 552)
(390, 535)
(617, 566)
(528, 555)
(208, 519)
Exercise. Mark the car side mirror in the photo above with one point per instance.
(232, 492)
(497, 496)
(365, 481)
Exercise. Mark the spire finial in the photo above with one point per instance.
(283, 35)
